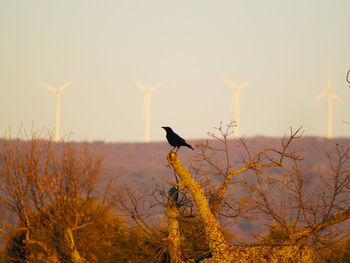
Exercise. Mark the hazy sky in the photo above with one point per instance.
(284, 47)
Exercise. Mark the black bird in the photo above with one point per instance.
(174, 194)
(175, 140)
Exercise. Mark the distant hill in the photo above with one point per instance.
(138, 163)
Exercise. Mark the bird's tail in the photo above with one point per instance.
(189, 146)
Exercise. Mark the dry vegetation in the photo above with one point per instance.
(56, 207)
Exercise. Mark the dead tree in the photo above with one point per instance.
(301, 220)
(174, 236)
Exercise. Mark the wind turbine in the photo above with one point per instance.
(235, 101)
(329, 91)
(147, 105)
(58, 92)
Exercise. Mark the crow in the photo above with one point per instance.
(175, 140)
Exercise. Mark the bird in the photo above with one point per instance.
(174, 194)
(175, 140)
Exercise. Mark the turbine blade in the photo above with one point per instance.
(337, 98)
(244, 84)
(324, 93)
(65, 85)
(47, 86)
(140, 85)
(228, 82)
(153, 88)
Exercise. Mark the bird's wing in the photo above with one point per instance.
(321, 95)
(65, 85)
(47, 86)
(179, 139)
(140, 85)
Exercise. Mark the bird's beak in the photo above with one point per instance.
(163, 128)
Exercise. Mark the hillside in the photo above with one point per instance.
(144, 165)
(138, 163)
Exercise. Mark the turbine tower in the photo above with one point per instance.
(329, 91)
(147, 105)
(58, 92)
(235, 101)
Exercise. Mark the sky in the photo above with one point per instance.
(285, 48)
